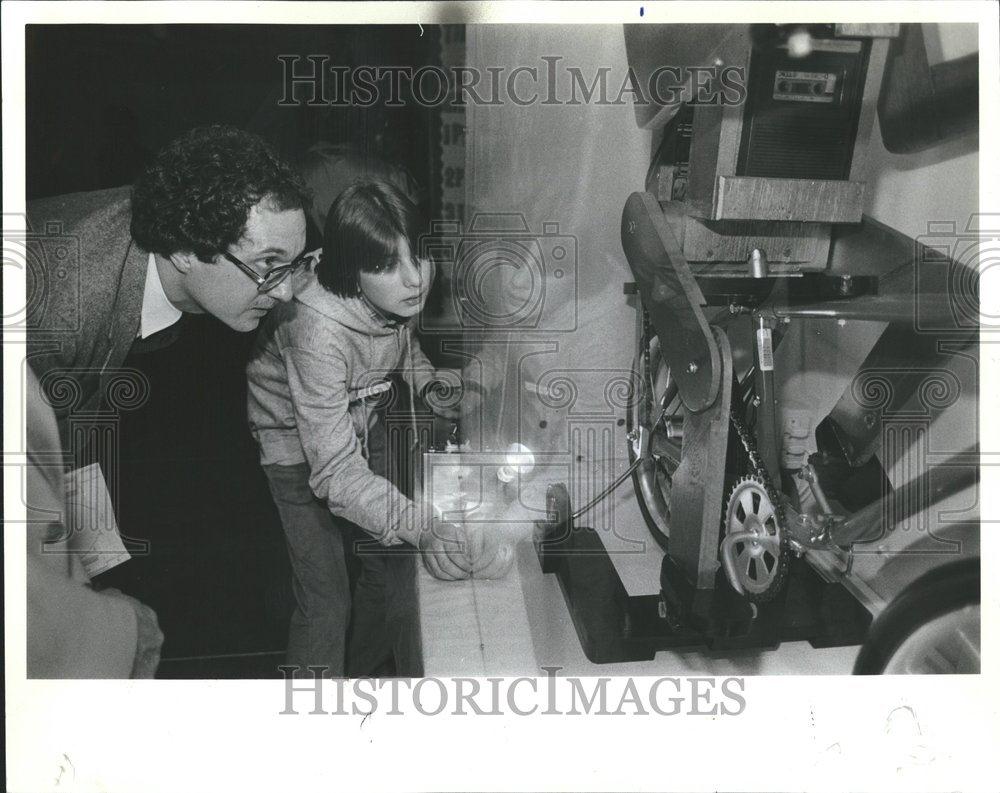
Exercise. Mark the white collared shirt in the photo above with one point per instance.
(157, 311)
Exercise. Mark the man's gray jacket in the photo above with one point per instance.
(85, 282)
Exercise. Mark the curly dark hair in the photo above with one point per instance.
(196, 194)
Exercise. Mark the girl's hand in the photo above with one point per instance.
(491, 555)
(444, 549)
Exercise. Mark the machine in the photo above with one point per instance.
(750, 235)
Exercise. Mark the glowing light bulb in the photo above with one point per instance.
(800, 44)
(519, 462)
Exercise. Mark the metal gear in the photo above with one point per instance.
(754, 547)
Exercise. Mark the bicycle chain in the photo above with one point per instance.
(750, 447)
(647, 376)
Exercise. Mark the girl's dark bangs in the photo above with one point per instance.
(378, 244)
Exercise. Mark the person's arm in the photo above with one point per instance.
(439, 389)
(72, 631)
(339, 473)
(416, 365)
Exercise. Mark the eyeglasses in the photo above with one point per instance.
(274, 277)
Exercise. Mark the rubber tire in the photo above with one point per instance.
(940, 591)
(661, 539)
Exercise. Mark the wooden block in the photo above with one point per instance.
(888, 30)
(806, 244)
(703, 157)
(806, 200)
(730, 133)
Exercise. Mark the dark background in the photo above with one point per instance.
(101, 100)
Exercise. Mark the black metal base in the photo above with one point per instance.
(615, 627)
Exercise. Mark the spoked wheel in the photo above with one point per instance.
(931, 627)
(753, 525)
(655, 428)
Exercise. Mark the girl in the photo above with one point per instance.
(318, 365)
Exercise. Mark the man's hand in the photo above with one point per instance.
(147, 654)
(444, 549)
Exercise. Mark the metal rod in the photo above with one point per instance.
(808, 473)
(880, 308)
(950, 477)
(614, 485)
(766, 413)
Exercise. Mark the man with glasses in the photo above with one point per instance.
(215, 225)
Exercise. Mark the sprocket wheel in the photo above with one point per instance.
(754, 545)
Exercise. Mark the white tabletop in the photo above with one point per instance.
(519, 624)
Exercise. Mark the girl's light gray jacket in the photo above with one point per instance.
(315, 362)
